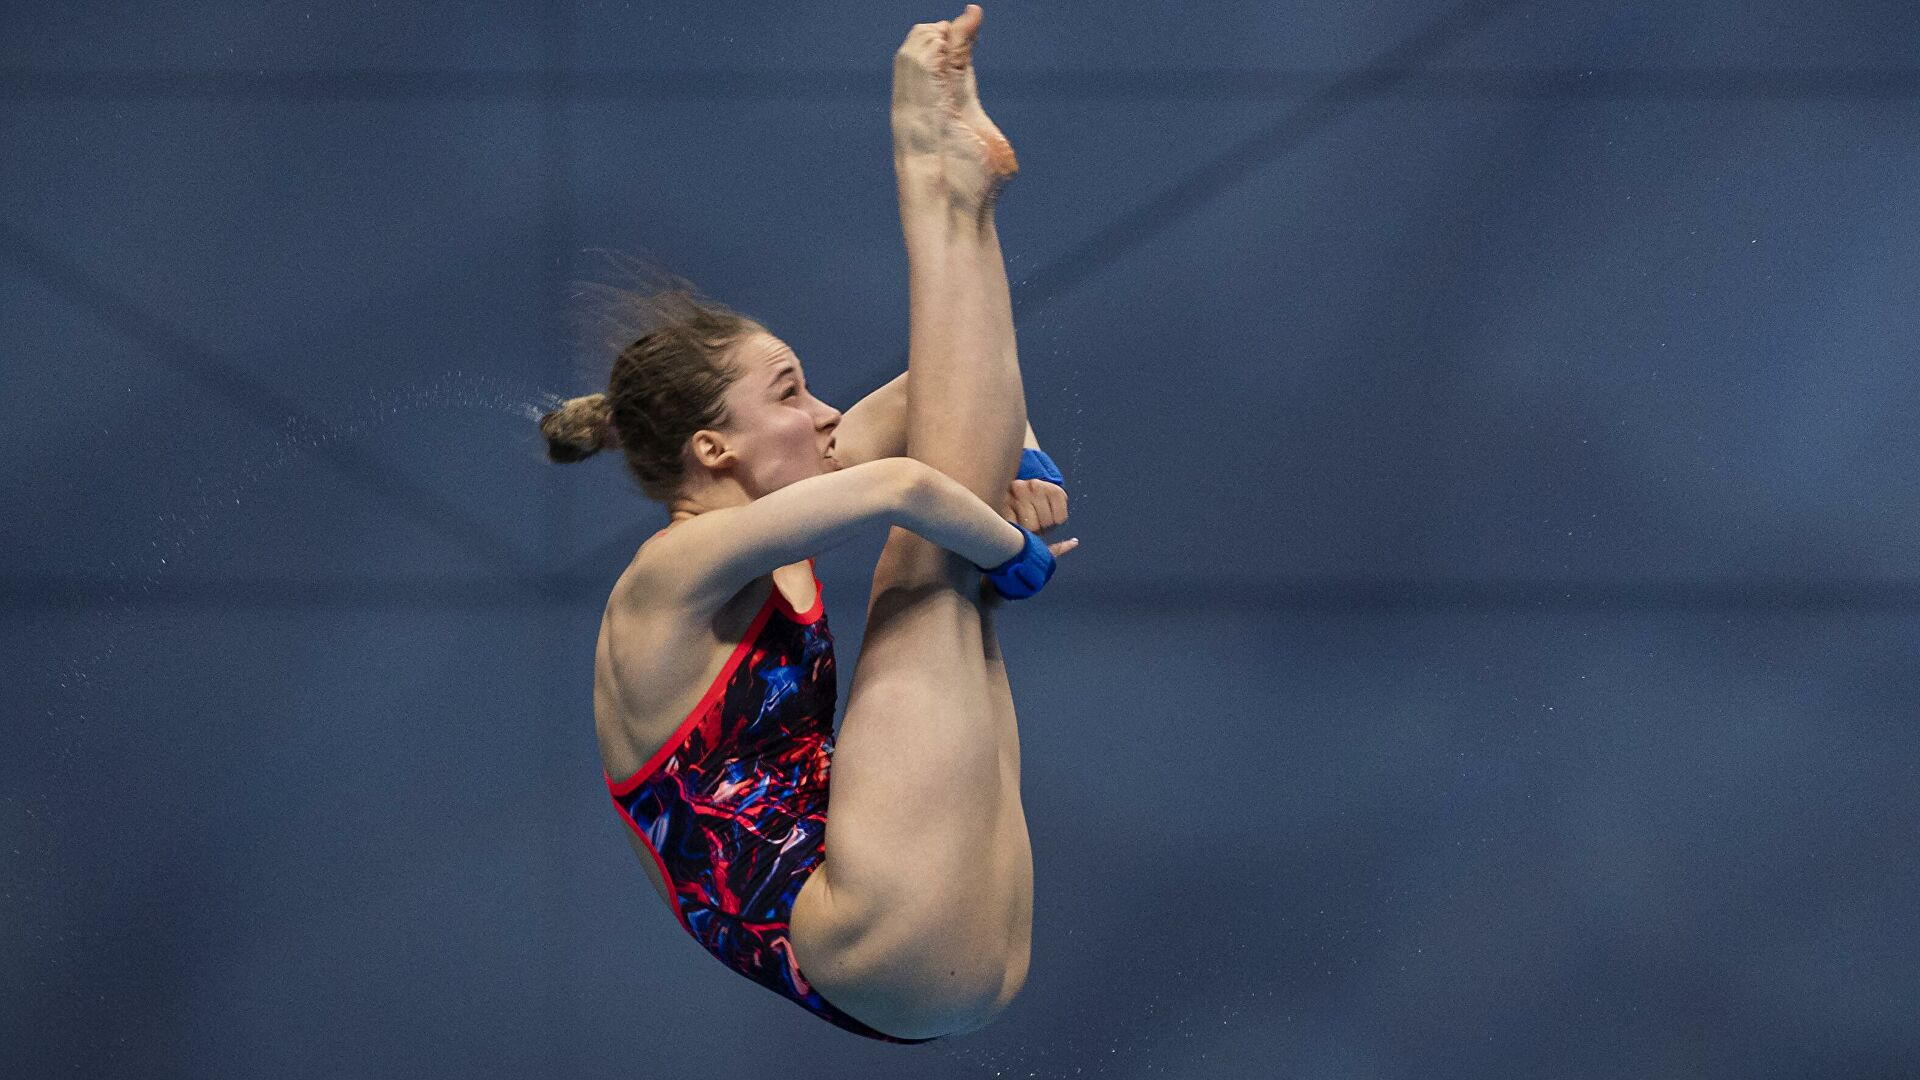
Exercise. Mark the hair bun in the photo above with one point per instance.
(579, 428)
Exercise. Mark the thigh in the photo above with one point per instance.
(905, 923)
(918, 759)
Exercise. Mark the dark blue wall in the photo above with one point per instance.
(1495, 649)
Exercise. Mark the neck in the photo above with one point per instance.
(717, 496)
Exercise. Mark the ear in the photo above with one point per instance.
(709, 448)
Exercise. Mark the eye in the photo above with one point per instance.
(790, 393)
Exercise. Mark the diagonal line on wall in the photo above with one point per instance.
(1327, 102)
(1161, 212)
(255, 398)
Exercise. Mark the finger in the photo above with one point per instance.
(1063, 547)
(1056, 502)
(1029, 518)
(1043, 510)
(1043, 507)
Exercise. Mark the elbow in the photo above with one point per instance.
(909, 484)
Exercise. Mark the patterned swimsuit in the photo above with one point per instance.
(733, 808)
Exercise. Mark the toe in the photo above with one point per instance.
(959, 50)
(966, 28)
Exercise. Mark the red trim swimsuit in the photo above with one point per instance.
(733, 808)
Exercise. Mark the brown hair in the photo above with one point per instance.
(667, 382)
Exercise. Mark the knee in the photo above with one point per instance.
(910, 999)
(911, 566)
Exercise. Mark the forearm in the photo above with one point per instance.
(942, 510)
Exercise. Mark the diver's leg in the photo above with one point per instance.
(909, 923)
(1013, 843)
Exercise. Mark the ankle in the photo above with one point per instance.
(922, 181)
(940, 220)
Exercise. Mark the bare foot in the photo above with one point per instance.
(938, 121)
(997, 153)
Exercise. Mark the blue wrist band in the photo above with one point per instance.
(1036, 465)
(1025, 573)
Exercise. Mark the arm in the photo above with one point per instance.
(875, 427)
(709, 558)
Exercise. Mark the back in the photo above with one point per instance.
(656, 663)
(729, 812)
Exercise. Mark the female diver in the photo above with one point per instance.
(714, 676)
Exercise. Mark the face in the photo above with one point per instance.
(779, 432)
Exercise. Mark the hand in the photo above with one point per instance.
(1038, 506)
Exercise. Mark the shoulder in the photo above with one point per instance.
(648, 587)
(663, 579)
(674, 571)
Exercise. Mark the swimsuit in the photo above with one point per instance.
(733, 808)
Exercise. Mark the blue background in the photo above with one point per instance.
(1494, 652)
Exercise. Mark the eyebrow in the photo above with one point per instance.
(785, 369)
